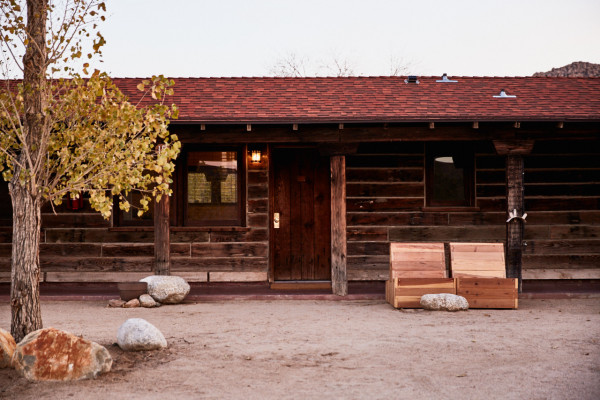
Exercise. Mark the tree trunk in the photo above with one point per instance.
(162, 242)
(24, 190)
(25, 264)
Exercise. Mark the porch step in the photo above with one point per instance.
(301, 285)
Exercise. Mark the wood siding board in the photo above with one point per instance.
(447, 233)
(258, 249)
(96, 264)
(563, 247)
(383, 204)
(219, 264)
(386, 190)
(254, 235)
(561, 261)
(396, 219)
(386, 175)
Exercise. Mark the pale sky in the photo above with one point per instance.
(180, 38)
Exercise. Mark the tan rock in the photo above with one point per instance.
(54, 355)
(7, 348)
(132, 303)
(116, 303)
(147, 301)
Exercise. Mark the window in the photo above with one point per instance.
(130, 218)
(213, 188)
(450, 180)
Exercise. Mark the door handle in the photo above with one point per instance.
(276, 220)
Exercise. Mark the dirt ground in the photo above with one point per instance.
(548, 349)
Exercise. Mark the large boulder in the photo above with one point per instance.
(167, 289)
(444, 302)
(137, 334)
(54, 355)
(7, 348)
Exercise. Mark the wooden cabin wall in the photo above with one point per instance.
(81, 246)
(386, 190)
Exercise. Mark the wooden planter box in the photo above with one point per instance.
(406, 293)
(489, 292)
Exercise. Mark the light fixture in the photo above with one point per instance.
(255, 156)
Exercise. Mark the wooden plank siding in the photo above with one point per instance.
(80, 246)
(562, 199)
(385, 189)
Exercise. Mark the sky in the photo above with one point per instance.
(218, 38)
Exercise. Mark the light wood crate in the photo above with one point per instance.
(489, 292)
(406, 293)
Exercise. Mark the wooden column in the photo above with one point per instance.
(162, 240)
(514, 228)
(514, 150)
(339, 280)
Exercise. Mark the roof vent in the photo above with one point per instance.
(503, 95)
(445, 79)
(412, 79)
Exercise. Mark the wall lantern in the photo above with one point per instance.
(255, 156)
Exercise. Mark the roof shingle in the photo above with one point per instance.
(380, 99)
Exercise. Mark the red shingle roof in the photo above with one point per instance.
(380, 99)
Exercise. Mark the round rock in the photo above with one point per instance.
(444, 302)
(7, 348)
(54, 355)
(167, 289)
(137, 334)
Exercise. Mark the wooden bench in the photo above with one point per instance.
(416, 269)
(480, 273)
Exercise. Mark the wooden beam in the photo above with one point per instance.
(514, 146)
(162, 240)
(339, 279)
(515, 228)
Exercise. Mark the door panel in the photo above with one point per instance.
(301, 195)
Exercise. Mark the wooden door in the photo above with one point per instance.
(301, 245)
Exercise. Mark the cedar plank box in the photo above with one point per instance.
(416, 269)
(477, 268)
(480, 273)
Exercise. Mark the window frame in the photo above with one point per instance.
(466, 151)
(183, 219)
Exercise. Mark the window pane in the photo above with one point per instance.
(448, 181)
(212, 186)
(131, 218)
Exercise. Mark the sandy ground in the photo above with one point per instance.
(548, 349)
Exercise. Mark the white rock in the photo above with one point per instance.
(444, 302)
(147, 301)
(167, 289)
(137, 334)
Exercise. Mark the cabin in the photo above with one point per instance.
(309, 180)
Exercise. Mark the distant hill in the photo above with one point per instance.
(577, 69)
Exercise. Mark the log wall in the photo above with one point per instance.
(386, 198)
(385, 202)
(80, 246)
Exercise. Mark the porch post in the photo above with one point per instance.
(514, 149)
(514, 228)
(162, 241)
(339, 280)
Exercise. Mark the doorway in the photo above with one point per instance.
(300, 215)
